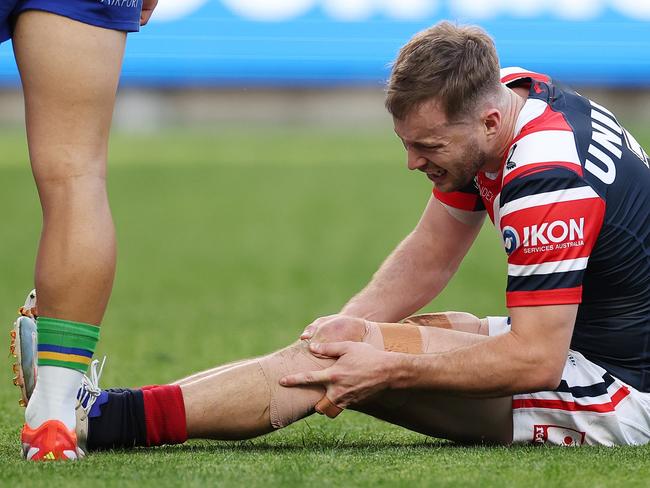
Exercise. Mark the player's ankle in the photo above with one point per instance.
(65, 349)
(150, 416)
(54, 397)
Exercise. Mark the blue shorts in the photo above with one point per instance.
(123, 15)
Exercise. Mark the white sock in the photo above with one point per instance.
(54, 397)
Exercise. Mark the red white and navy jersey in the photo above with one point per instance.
(572, 204)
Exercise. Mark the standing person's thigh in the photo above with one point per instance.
(470, 420)
(69, 72)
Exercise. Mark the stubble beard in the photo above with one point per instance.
(469, 164)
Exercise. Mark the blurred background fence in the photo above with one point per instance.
(208, 61)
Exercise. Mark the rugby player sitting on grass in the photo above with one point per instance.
(566, 186)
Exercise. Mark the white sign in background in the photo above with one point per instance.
(360, 10)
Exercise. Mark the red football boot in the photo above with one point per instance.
(51, 441)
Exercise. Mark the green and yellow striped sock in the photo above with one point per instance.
(65, 343)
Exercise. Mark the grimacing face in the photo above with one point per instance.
(449, 153)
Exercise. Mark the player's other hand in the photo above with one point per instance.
(335, 328)
(311, 329)
(147, 9)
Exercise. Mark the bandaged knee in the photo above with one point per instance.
(287, 405)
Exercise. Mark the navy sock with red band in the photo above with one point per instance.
(150, 416)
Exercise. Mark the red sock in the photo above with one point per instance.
(164, 413)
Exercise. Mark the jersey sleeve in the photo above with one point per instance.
(550, 220)
(465, 204)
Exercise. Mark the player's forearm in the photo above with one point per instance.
(499, 366)
(409, 279)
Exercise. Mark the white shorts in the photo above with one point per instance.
(589, 407)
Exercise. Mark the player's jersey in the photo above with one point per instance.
(572, 203)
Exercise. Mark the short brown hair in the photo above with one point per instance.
(455, 64)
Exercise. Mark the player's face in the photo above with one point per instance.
(450, 154)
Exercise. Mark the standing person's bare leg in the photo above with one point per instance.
(69, 72)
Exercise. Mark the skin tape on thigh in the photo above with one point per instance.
(462, 321)
(287, 405)
(440, 320)
(401, 338)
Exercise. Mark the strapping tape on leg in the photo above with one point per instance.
(326, 407)
(287, 405)
(440, 320)
(401, 338)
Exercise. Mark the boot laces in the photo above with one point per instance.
(90, 390)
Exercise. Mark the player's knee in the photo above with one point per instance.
(66, 178)
(287, 405)
(59, 189)
(75, 167)
(339, 329)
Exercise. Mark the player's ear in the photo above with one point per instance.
(491, 120)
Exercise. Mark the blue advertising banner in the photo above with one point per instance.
(343, 42)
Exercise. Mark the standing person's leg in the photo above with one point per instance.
(69, 72)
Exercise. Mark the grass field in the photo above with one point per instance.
(230, 241)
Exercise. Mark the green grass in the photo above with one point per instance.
(230, 241)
